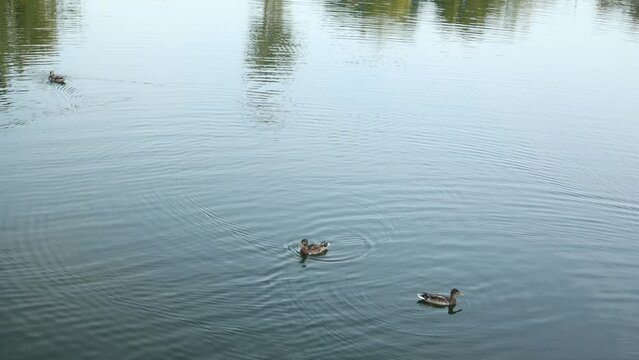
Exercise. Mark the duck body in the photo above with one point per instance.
(58, 79)
(440, 300)
(313, 249)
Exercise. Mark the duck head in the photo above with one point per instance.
(304, 247)
(454, 293)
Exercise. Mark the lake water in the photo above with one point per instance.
(152, 207)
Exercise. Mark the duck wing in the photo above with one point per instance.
(323, 244)
(435, 299)
(318, 249)
(56, 78)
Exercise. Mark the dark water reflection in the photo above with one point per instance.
(629, 7)
(470, 18)
(397, 11)
(270, 58)
(475, 17)
(28, 30)
(30, 33)
(394, 20)
(398, 18)
(153, 206)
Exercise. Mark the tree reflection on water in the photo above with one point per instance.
(398, 18)
(472, 18)
(628, 7)
(28, 29)
(270, 56)
(29, 35)
(395, 19)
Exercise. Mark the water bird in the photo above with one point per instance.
(313, 249)
(58, 79)
(441, 300)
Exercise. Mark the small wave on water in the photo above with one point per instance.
(354, 229)
(33, 98)
(355, 232)
(205, 221)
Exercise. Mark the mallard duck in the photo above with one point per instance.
(441, 300)
(313, 249)
(58, 79)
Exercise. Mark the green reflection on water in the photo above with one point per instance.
(629, 7)
(270, 56)
(271, 44)
(28, 29)
(397, 10)
(474, 17)
(472, 12)
(465, 17)
(30, 35)
(382, 18)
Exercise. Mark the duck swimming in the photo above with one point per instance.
(441, 300)
(313, 249)
(58, 79)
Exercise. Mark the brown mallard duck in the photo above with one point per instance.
(441, 300)
(313, 249)
(58, 79)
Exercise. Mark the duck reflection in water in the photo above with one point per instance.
(441, 301)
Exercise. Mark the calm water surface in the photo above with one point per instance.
(152, 206)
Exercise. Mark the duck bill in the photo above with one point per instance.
(461, 293)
